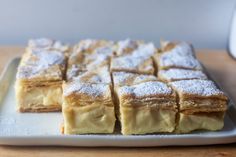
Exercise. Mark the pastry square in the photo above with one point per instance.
(201, 104)
(172, 59)
(39, 80)
(127, 46)
(148, 107)
(91, 46)
(47, 44)
(87, 108)
(180, 74)
(140, 61)
(89, 55)
(133, 64)
(126, 78)
(83, 62)
(100, 75)
(180, 48)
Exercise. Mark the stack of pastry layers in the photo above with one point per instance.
(147, 90)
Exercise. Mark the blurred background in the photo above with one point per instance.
(205, 23)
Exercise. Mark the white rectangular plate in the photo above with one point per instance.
(44, 128)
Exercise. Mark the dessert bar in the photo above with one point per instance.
(87, 108)
(148, 107)
(201, 105)
(39, 80)
(139, 61)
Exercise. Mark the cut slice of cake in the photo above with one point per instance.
(39, 80)
(87, 108)
(148, 107)
(201, 105)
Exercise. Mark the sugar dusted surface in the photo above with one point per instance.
(197, 87)
(127, 62)
(86, 62)
(146, 89)
(101, 75)
(39, 62)
(73, 71)
(93, 90)
(183, 49)
(130, 63)
(173, 74)
(121, 78)
(175, 60)
(145, 50)
(40, 43)
(92, 44)
(105, 50)
(47, 44)
(126, 44)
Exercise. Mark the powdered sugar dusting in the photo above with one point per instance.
(86, 44)
(92, 45)
(197, 87)
(97, 61)
(127, 62)
(144, 50)
(183, 49)
(40, 43)
(125, 45)
(40, 61)
(72, 72)
(170, 59)
(93, 90)
(136, 59)
(47, 44)
(131, 63)
(105, 50)
(146, 89)
(101, 75)
(125, 78)
(181, 74)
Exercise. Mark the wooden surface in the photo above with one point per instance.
(220, 66)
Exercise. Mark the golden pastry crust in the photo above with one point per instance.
(90, 54)
(140, 61)
(167, 45)
(80, 94)
(180, 74)
(86, 63)
(199, 95)
(41, 108)
(126, 78)
(42, 65)
(197, 89)
(101, 75)
(132, 64)
(153, 92)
